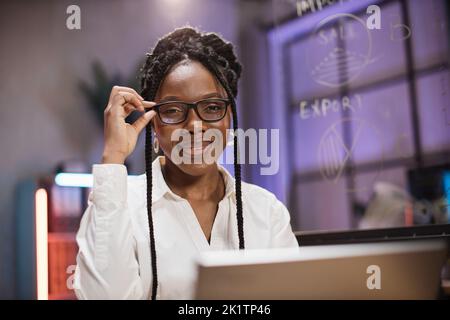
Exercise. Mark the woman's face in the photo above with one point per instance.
(189, 81)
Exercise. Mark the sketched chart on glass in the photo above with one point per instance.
(337, 65)
(400, 75)
(334, 155)
(329, 71)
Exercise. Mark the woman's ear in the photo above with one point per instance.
(152, 125)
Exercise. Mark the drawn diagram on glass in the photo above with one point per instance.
(334, 154)
(399, 31)
(344, 49)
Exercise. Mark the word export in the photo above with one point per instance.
(322, 107)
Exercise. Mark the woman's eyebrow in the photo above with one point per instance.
(212, 95)
(205, 96)
(169, 98)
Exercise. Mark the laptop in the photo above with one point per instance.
(385, 270)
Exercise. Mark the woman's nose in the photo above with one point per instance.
(193, 121)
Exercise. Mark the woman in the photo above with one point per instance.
(140, 235)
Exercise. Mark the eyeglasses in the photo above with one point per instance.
(208, 110)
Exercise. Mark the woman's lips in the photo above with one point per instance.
(195, 148)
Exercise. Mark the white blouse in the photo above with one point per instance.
(113, 261)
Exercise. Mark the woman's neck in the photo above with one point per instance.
(208, 186)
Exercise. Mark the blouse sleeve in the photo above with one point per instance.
(107, 267)
(282, 235)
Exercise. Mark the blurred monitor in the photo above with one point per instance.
(428, 183)
(447, 190)
(432, 185)
(388, 270)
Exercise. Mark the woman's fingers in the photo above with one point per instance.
(129, 108)
(148, 104)
(131, 98)
(116, 89)
(143, 120)
(121, 137)
(124, 103)
(126, 92)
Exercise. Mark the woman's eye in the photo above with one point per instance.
(213, 108)
(171, 111)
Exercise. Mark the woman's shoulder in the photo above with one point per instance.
(260, 196)
(255, 190)
(253, 196)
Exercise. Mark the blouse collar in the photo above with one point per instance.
(160, 187)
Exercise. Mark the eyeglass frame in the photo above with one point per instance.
(193, 105)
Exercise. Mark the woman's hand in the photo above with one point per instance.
(121, 137)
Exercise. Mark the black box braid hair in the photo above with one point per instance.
(217, 55)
